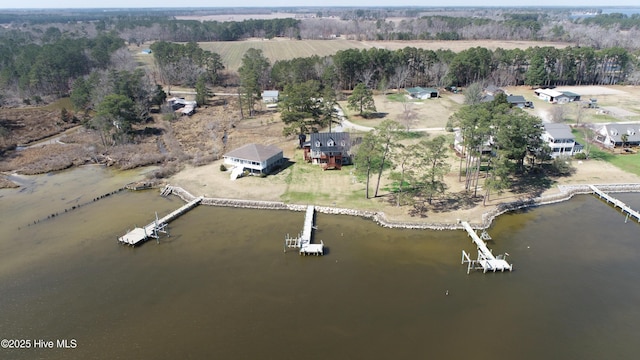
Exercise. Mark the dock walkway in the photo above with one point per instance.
(486, 260)
(303, 241)
(616, 203)
(139, 235)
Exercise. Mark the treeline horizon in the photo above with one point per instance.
(44, 60)
(366, 23)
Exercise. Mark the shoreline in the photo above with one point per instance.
(566, 193)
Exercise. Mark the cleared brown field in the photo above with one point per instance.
(285, 49)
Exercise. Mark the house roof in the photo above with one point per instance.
(558, 131)
(492, 89)
(270, 93)
(615, 131)
(548, 92)
(416, 90)
(419, 89)
(516, 99)
(570, 94)
(254, 152)
(487, 98)
(324, 138)
(177, 100)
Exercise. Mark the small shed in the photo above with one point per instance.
(256, 158)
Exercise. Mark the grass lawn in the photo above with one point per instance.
(430, 113)
(629, 163)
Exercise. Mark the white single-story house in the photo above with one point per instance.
(256, 158)
(560, 140)
(610, 135)
(422, 93)
(555, 96)
(270, 96)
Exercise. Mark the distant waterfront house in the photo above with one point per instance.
(256, 158)
(611, 135)
(422, 93)
(329, 150)
(270, 96)
(560, 139)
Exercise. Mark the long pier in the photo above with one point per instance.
(139, 235)
(303, 241)
(616, 203)
(486, 260)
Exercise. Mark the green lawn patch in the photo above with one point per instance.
(629, 163)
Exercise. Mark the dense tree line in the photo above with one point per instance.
(198, 31)
(141, 25)
(50, 68)
(622, 21)
(537, 66)
(185, 64)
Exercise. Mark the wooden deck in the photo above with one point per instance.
(139, 235)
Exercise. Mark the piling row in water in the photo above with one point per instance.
(74, 207)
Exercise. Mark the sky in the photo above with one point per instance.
(12, 4)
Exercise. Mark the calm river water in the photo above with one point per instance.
(221, 287)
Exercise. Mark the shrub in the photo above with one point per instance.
(580, 156)
(223, 168)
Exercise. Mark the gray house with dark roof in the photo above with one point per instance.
(611, 135)
(256, 158)
(329, 150)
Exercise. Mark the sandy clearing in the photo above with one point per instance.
(591, 90)
(619, 112)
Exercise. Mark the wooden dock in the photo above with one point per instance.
(139, 235)
(486, 260)
(303, 241)
(616, 203)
